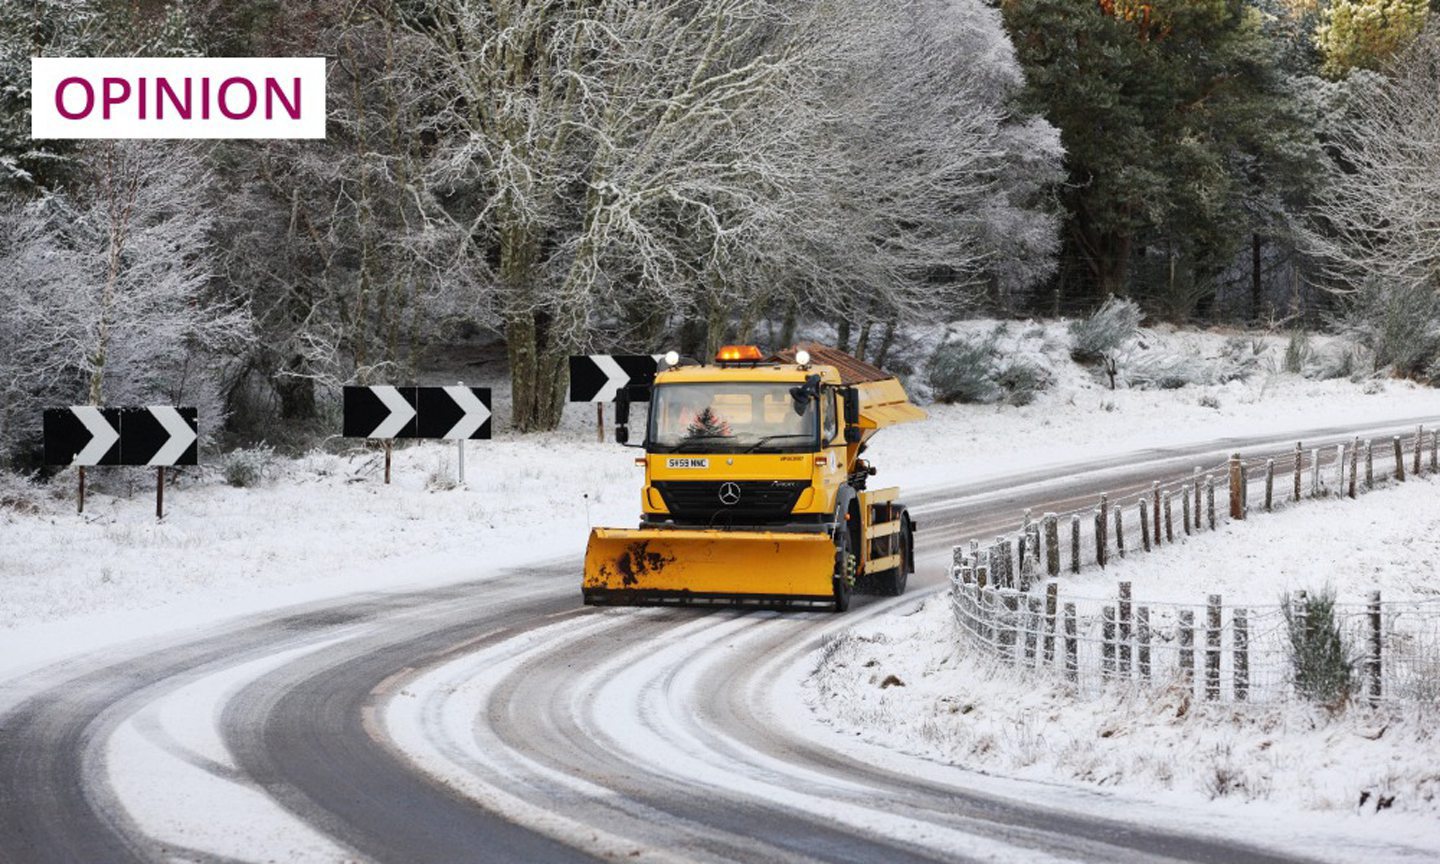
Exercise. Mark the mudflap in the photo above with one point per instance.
(660, 566)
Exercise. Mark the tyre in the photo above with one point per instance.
(844, 578)
(891, 583)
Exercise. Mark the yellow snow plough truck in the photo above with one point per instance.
(755, 491)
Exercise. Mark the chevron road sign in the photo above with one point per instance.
(157, 436)
(599, 377)
(451, 413)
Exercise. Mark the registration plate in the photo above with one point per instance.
(683, 462)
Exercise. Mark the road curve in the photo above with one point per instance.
(501, 721)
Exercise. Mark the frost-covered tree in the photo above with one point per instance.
(932, 187)
(1378, 220)
(727, 160)
(114, 305)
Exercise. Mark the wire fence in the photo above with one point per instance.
(1008, 603)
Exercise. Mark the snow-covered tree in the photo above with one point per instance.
(110, 302)
(1378, 220)
(727, 159)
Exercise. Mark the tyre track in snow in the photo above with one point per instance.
(564, 763)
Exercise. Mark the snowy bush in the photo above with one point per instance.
(1297, 352)
(1162, 369)
(1320, 661)
(1022, 380)
(249, 467)
(987, 368)
(1105, 331)
(962, 369)
(1400, 324)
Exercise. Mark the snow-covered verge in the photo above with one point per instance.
(324, 517)
(908, 681)
(1077, 416)
(1386, 540)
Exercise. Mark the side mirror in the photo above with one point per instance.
(622, 434)
(852, 407)
(852, 434)
(622, 409)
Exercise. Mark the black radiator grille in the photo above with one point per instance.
(759, 500)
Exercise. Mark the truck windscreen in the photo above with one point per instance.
(732, 417)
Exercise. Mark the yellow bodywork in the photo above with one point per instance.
(792, 563)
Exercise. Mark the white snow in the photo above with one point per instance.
(947, 704)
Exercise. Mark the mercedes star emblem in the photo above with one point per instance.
(729, 494)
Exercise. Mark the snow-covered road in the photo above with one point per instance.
(500, 721)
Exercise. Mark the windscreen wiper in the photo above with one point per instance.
(768, 438)
(694, 438)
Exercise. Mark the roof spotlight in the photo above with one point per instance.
(672, 359)
(802, 357)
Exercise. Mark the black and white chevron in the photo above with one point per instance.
(156, 435)
(451, 413)
(600, 377)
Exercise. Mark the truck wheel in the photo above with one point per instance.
(892, 582)
(844, 578)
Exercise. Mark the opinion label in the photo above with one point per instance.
(177, 97)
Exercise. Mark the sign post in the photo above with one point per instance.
(455, 413)
(156, 436)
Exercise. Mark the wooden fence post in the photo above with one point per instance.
(1210, 501)
(1120, 532)
(1145, 523)
(1052, 598)
(1354, 465)
(1100, 537)
(1169, 523)
(1075, 543)
(1185, 508)
(1269, 485)
(1419, 448)
(1434, 451)
(1212, 647)
(1315, 473)
(1010, 625)
(1155, 506)
(1107, 643)
(987, 617)
(1033, 619)
(1299, 466)
(1399, 460)
(1240, 620)
(1339, 469)
(1237, 487)
(1370, 463)
(1142, 636)
(1052, 545)
(1072, 654)
(1125, 629)
(1373, 649)
(1187, 648)
(1197, 478)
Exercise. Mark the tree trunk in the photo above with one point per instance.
(887, 341)
(787, 330)
(537, 374)
(842, 334)
(296, 391)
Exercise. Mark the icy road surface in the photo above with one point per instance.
(502, 721)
